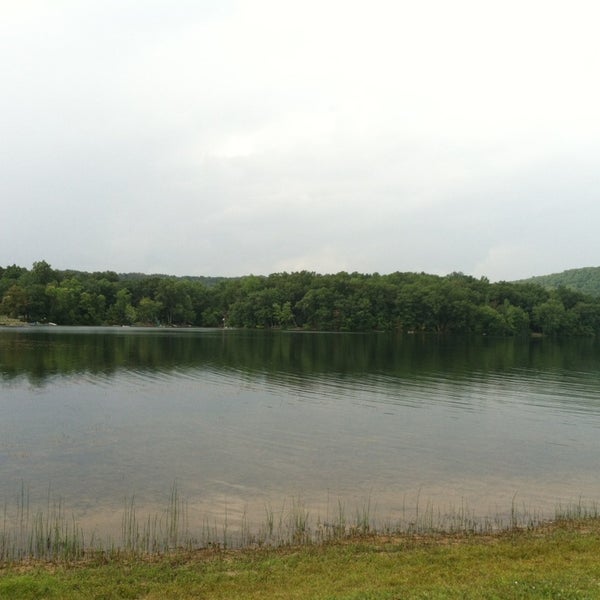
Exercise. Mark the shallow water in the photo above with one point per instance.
(240, 420)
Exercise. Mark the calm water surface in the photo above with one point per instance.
(243, 419)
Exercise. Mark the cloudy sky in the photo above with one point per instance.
(222, 137)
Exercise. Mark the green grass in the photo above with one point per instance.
(554, 561)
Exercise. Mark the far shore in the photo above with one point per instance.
(12, 322)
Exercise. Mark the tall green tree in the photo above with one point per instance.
(15, 302)
(176, 302)
(148, 310)
(550, 317)
(122, 311)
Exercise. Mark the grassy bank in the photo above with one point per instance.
(560, 560)
(46, 555)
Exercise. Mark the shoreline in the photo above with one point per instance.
(554, 560)
(53, 533)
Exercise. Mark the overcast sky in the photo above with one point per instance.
(194, 137)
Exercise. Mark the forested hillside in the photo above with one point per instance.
(586, 280)
(407, 302)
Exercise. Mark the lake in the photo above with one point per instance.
(240, 420)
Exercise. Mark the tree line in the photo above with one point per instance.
(406, 302)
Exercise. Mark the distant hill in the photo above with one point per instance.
(586, 280)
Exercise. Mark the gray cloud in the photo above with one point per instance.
(230, 138)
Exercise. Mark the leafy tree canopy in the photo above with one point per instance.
(404, 302)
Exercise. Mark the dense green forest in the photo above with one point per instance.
(586, 280)
(407, 302)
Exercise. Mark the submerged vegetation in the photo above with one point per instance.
(406, 302)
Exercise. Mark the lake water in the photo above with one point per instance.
(240, 420)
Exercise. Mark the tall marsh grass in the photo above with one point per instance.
(155, 533)
(52, 534)
(48, 534)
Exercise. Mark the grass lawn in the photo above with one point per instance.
(561, 560)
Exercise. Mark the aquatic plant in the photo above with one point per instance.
(54, 534)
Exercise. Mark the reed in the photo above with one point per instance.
(156, 533)
(46, 535)
(578, 511)
(53, 534)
